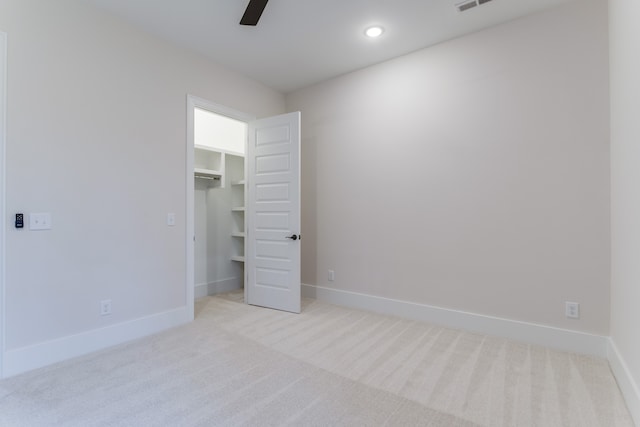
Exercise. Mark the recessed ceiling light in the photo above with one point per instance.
(375, 31)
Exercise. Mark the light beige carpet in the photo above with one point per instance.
(329, 366)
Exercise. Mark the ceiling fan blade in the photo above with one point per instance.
(254, 11)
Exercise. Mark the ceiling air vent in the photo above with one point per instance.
(464, 6)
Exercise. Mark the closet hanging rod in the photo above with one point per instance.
(212, 178)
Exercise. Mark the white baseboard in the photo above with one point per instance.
(36, 356)
(630, 389)
(561, 339)
(213, 288)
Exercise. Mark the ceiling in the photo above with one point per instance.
(301, 42)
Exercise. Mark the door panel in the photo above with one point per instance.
(277, 192)
(273, 213)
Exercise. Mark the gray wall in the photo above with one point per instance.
(472, 175)
(625, 194)
(97, 137)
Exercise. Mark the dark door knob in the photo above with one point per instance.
(293, 237)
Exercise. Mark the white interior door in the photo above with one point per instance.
(273, 213)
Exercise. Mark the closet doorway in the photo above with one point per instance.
(243, 205)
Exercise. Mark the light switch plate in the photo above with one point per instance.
(40, 221)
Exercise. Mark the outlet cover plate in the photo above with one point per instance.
(105, 307)
(572, 310)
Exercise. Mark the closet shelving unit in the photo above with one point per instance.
(238, 202)
(208, 164)
(217, 167)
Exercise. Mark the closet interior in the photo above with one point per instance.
(219, 180)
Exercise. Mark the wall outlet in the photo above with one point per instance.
(332, 275)
(572, 310)
(105, 307)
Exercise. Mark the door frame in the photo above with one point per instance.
(194, 102)
(3, 137)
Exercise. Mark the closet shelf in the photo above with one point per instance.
(206, 148)
(237, 258)
(241, 182)
(207, 173)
